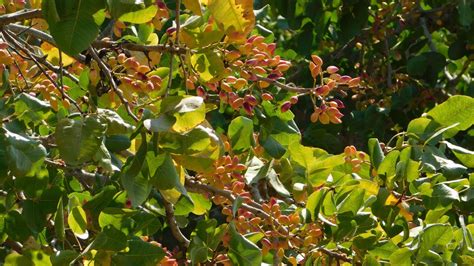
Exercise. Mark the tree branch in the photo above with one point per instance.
(427, 34)
(336, 255)
(253, 207)
(85, 178)
(99, 44)
(16, 41)
(114, 86)
(21, 15)
(173, 225)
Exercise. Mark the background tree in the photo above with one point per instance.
(225, 132)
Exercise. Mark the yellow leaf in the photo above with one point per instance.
(405, 213)
(391, 200)
(235, 16)
(153, 39)
(194, 6)
(52, 54)
(370, 187)
(172, 195)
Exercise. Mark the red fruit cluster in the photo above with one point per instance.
(327, 113)
(354, 158)
(10, 6)
(135, 76)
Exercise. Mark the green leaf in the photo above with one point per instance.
(197, 37)
(422, 127)
(370, 261)
(162, 171)
(163, 123)
(466, 13)
(375, 152)
(198, 250)
(181, 114)
(119, 7)
(31, 109)
(276, 135)
(115, 124)
(77, 221)
(315, 201)
(416, 66)
(240, 133)
(29, 257)
(407, 168)
(104, 159)
(110, 239)
(208, 65)
(434, 159)
(205, 239)
(441, 196)
(352, 202)
(426, 65)
(59, 221)
(117, 143)
(257, 170)
(183, 207)
(79, 140)
(23, 155)
(63, 257)
(116, 217)
(313, 164)
(201, 204)
(101, 200)
(457, 109)
(133, 11)
(140, 253)
(434, 138)
(241, 250)
(384, 250)
(16, 227)
(387, 168)
(197, 149)
(464, 155)
(401, 257)
(435, 235)
(135, 177)
(71, 23)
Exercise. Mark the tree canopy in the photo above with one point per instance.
(236, 132)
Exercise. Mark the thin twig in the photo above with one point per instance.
(336, 255)
(285, 86)
(427, 34)
(21, 29)
(170, 218)
(176, 44)
(114, 86)
(42, 59)
(100, 44)
(64, 95)
(389, 64)
(85, 178)
(253, 207)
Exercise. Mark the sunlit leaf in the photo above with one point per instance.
(235, 16)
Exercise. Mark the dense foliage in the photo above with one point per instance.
(236, 132)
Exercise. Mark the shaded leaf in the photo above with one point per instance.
(79, 140)
(241, 250)
(71, 23)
